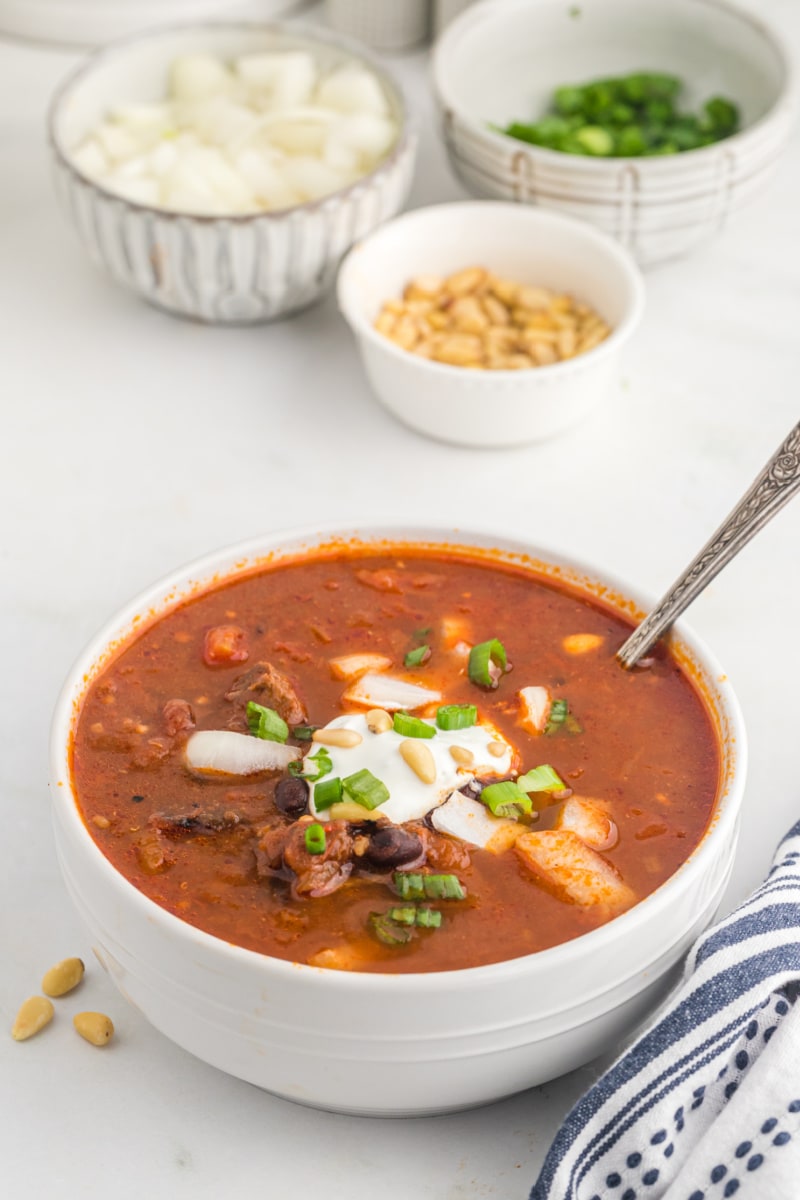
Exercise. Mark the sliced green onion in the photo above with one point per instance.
(541, 779)
(388, 931)
(403, 916)
(412, 886)
(428, 918)
(456, 716)
(482, 658)
(559, 710)
(315, 839)
(415, 657)
(506, 799)
(304, 733)
(265, 723)
(413, 727)
(327, 793)
(322, 763)
(365, 788)
(425, 918)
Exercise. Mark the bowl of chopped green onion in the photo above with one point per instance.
(653, 121)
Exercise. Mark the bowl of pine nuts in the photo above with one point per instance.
(490, 324)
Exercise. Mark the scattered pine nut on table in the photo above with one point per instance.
(475, 319)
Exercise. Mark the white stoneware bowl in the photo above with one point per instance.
(501, 60)
(237, 269)
(390, 1045)
(490, 408)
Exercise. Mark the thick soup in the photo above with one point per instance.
(406, 761)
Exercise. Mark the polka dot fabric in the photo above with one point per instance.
(706, 1103)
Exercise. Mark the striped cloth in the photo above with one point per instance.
(706, 1103)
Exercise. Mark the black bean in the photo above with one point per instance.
(291, 796)
(391, 846)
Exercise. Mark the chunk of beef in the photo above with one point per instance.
(178, 717)
(313, 874)
(190, 824)
(442, 853)
(267, 685)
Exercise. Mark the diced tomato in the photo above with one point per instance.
(225, 644)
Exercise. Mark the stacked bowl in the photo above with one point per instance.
(501, 60)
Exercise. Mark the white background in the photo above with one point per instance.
(131, 442)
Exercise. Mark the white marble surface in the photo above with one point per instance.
(131, 442)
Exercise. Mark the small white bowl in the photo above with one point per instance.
(501, 60)
(229, 270)
(528, 245)
(391, 1045)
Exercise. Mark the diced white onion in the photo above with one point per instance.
(353, 89)
(269, 133)
(468, 819)
(352, 666)
(384, 691)
(222, 751)
(534, 704)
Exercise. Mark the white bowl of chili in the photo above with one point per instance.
(230, 266)
(467, 404)
(394, 1040)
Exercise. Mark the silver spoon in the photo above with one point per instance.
(773, 488)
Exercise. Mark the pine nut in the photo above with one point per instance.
(475, 320)
(348, 810)
(378, 721)
(582, 643)
(459, 350)
(63, 977)
(345, 738)
(33, 1015)
(463, 756)
(418, 756)
(465, 281)
(497, 749)
(95, 1027)
(100, 821)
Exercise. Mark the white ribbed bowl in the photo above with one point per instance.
(237, 269)
(390, 1045)
(382, 24)
(501, 60)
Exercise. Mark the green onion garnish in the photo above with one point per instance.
(265, 723)
(412, 886)
(403, 916)
(388, 931)
(304, 733)
(321, 762)
(425, 918)
(365, 788)
(428, 918)
(415, 657)
(315, 839)
(506, 799)
(412, 726)
(456, 716)
(541, 779)
(487, 662)
(559, 711)
(327, 793)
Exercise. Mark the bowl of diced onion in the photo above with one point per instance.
(222, 170)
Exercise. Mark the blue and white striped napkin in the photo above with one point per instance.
(706, 1104)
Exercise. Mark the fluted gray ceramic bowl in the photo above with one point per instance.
(227, 270)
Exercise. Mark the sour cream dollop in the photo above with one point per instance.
(410, 798)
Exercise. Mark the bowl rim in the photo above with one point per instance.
(201, 574)
(622, 260)
(405, 140)
(586, 164)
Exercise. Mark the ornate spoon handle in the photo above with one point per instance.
(776, 485)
